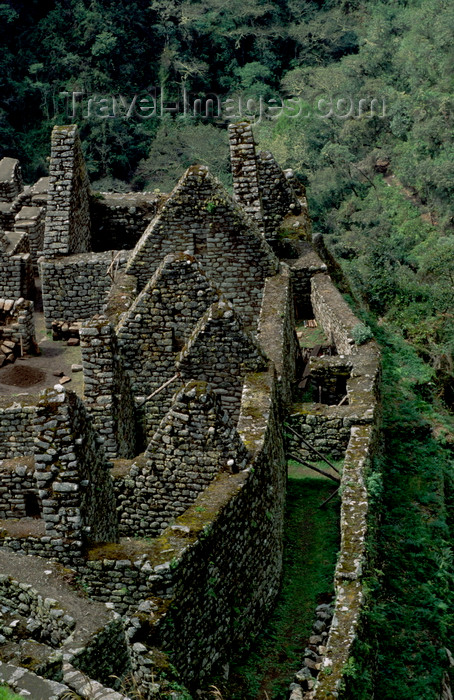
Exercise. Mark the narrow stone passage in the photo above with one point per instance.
(311, 545)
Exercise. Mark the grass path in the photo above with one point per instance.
(311, 545)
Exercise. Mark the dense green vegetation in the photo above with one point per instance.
(7, 694)
(409, 618)
(394, 236)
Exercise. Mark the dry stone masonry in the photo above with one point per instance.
(160, 489)
(68, 217)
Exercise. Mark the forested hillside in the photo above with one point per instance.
(380, 185)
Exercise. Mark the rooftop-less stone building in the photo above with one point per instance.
(160, 488)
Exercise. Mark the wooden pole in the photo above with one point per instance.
(322, 457)
(327, 500)
(160, 388)
(314, 468)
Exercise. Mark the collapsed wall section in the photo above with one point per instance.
(77, 644)
(17, 329)
(10, 179)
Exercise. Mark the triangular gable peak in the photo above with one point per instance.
(161, 319)
(193, 443)
(220, 351)
(197, 433)
(201, 218)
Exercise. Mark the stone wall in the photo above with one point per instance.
(67, 230)
(302, 269)
(17, 430)
(194, 442)
(10, 179)
(350, 569)
(17, 325)
(107, 389)
(18, 492)
(276, 332)
(119, 220)
(333, 314)
(350, 431)
(53, 625)
(75, 287)
(278, 197)
(31, 220)
(238, 521)
(327, 428)
(16, 275)
(200, 218)
(245, 171)
(221, 352)
(66, 641)
(72, 476)
(161, 319)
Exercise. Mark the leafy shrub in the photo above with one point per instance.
(361, 333)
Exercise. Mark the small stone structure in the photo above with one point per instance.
(162, 489)
(17, 329)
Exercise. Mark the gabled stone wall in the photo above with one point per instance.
(194, 442)
(200, 218)
(161, 319)
(221, 352)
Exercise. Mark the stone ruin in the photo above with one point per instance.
(158, 483)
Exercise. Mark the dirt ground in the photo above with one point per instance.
(32, 374)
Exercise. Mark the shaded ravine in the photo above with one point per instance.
(311, 544)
